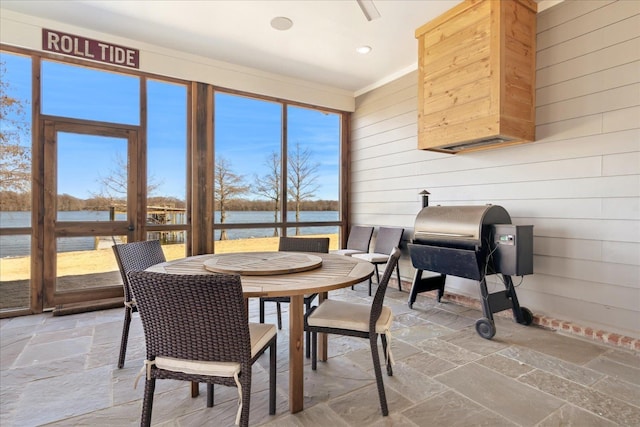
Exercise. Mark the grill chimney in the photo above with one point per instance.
(425, 198)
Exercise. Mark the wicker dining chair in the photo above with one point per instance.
(296, 244)
(134, 256)
(196, 329)
(358, 320)
(357, 242)
(387, 239)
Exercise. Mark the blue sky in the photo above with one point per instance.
(246, 130)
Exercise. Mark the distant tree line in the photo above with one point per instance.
(229, 193)
(11, 201)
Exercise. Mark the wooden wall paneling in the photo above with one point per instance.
(376, 104)
(403, 106)
(613, 99)
(404, 119)
(477, 76)
(616, 76)
(401, 137)
(592, 62)
(623, 252)
(577, 184)
(573, 19)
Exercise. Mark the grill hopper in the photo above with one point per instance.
(460, 241)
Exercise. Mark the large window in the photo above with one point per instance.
(15, 180)
(167, 166)
(118, 156)
(86, 93)
(276, 170)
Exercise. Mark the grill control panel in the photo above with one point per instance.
(512, 250)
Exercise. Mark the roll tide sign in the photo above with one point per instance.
(82, 47)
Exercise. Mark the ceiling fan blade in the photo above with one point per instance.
(368, 9)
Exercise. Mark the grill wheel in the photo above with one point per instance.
(485, 328)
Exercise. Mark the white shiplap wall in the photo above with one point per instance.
(578, 184)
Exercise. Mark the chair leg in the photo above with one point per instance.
(147, 404)
(378, 371)
(384, 349)
(279, 315)
(261, 310)
(314, 350)
(377, 277)
(125, 336)
(307, 334)
(272, 378)
(399, 280)
(246, 397)
(209, 395)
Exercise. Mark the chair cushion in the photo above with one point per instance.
(347, 252)
(198, 367)
(260, 333)
(346, 315)
(373, 257)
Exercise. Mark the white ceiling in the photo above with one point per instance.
(320, 47)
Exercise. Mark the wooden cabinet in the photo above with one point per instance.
(476, 86)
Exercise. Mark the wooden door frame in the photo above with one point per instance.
(46, 226)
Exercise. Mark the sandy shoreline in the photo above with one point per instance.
(102, 260)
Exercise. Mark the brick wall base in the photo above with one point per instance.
(564, 326)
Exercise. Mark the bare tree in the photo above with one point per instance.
(269, 185)
(15, 152)
(227, 185)
(302, 177)
(114, 185)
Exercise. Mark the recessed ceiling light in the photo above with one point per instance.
(364, 49)
(281, 23)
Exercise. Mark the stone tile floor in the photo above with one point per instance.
(61, 371)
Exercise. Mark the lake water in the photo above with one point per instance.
(14, 246)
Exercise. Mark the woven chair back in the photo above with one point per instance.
(387, 239)
(304, 244)
(195, 317)
(360, 238)
(136, 256)
(378, 298)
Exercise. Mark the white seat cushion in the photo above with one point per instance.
(347, 252)
(346, 315)
(260, 333)
(198, 367)
(373, 257)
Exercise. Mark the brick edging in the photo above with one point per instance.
(598, 335)
(565, 326)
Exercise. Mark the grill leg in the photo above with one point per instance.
(500, 301)
(486, 304)
(426, 284)
(521, 314)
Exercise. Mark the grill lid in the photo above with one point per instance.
(456, 225)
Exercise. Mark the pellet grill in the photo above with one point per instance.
(472, 242)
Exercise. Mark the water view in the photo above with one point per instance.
(17, 246)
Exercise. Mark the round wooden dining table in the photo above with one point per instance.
(277, 274)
